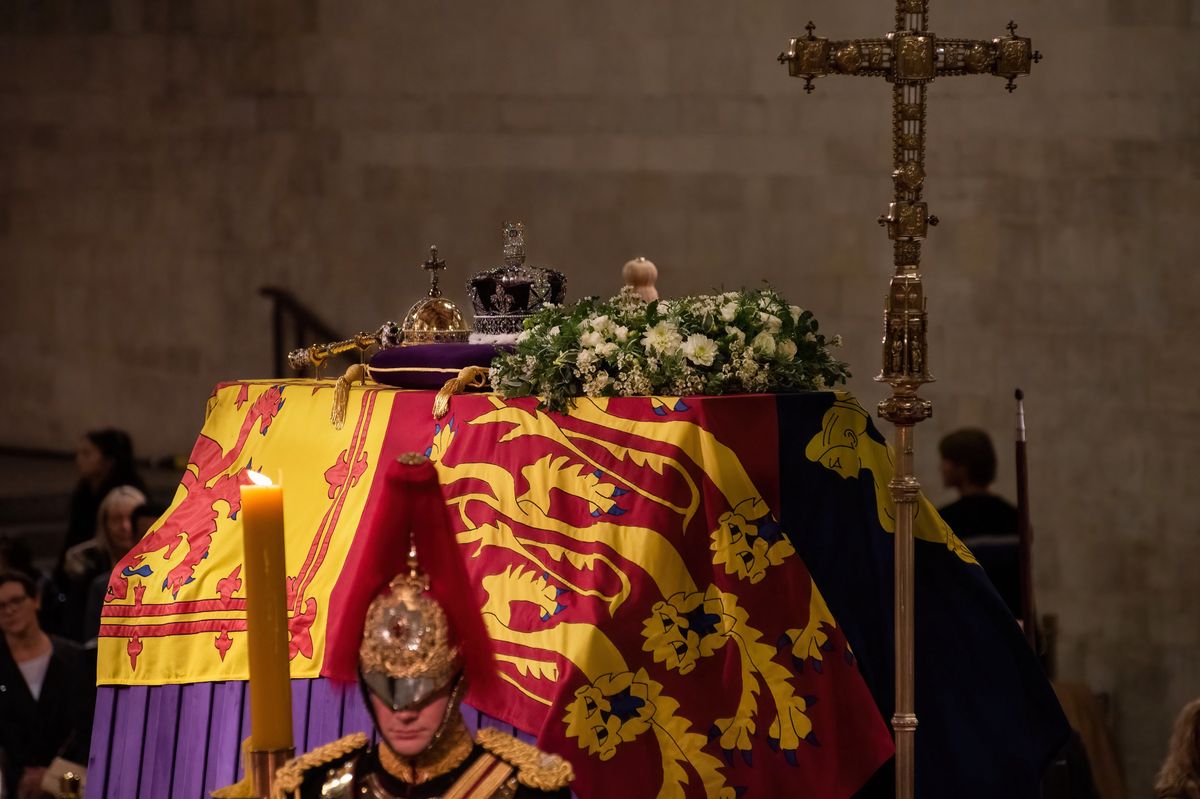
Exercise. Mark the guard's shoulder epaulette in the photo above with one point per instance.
(290, 775)
(535, 768)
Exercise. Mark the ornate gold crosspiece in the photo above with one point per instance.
(909, 58)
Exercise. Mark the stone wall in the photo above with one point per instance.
(159, 161)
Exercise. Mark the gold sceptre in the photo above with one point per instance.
(316, 355)
(909, 58)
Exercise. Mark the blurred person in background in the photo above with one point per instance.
(46, 692)
(85, 562)
(986, 522)
(104, 459)
(141, 519)
(16, 555)
(1179, 777)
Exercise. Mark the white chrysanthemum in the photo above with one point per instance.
(663, 338)
(700, 349)
(763, 343)
(788, 349)
(728, 311)
(772, 323)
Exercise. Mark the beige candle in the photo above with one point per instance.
(266, 615)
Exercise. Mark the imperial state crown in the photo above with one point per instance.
(504, 296)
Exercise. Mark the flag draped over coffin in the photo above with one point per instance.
(653, 621)
(988, 719)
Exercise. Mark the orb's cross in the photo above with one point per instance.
(432, 266)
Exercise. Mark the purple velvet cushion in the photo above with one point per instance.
(427, 366)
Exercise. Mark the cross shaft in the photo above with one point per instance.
(909, 57)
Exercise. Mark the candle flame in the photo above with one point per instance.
(258, 478)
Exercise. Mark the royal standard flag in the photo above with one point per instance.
(641, 565)
(988, 721)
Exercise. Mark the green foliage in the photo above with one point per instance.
(732, 343)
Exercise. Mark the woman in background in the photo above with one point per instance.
(46, 692)
(83, 563)
(104, 459)
(1179, 777)
(140, 520)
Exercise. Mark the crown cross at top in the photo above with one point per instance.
(514, 243)
(432, 266)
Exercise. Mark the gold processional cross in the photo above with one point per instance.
(909, 58)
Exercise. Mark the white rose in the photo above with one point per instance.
(523, 336)
(796, 311)
(605, 349)
(620, 333)
(728, 311)
(737, 333)
(584, 359)
(663, 308)
(763, 343)
(772, 323)
(700, 349)
(600, 323)
(788, 349)
(591, 339)
(554, 331)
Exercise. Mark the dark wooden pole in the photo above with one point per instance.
(1024, 531)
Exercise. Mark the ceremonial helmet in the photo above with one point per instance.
(407, 625)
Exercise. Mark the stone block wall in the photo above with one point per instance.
(162, 159)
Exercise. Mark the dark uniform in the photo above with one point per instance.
(496, 766)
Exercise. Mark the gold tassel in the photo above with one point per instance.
(469, 377)
(341, 393)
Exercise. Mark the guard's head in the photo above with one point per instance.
(407, 654)
(410, 616)
(968, 458)
(410, 667)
